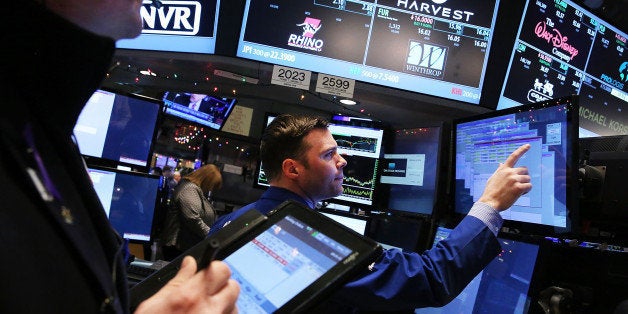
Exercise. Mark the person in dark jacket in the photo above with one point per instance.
(302, 163)
(59, 251)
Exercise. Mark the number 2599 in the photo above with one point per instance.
(338, 83)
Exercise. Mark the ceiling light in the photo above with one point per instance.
(348, 102)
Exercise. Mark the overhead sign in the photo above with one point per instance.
(239, 121)
(335, 85)
(290, 77)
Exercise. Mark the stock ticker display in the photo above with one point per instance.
(562, 50)
(434, 48)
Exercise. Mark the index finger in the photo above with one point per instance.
(514, 157)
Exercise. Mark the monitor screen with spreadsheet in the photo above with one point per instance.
(483, 142)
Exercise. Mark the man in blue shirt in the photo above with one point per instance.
(302, 163)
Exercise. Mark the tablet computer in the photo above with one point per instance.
(284, 262)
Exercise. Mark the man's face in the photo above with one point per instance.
(322, 167)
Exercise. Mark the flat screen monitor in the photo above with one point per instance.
(393, 231)
(118, 127)
(203, 109)
(563, 49)
(361, 147)
(262, 180)
(504, 286)
(129, 199)
(433, 48)
(178, 26)
(356, 223)
(604, 197)
(483, 142)
(163, 160)
(410, 169)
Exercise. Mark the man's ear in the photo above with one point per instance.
(290, 168)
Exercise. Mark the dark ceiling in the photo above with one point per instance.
(195, 73)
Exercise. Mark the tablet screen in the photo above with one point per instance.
(285, 262)
(280, 262)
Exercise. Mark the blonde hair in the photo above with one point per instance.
(207, 177)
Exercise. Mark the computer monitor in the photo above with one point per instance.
(129, 200)
(116, 128)
(504, 286)
(410, 170)
(604, 201)
(261, 179)
(483, 142)
(361, 147)
(199, 108)
(393, 231)
(356, 223)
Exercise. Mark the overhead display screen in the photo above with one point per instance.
(177, 25)
(562, 50)
(434, 47)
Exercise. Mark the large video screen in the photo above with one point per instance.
(562, 49)
(118, 127)
(437, 48)
(203, 109)
(178, 26)
(483, 142)
(410, 168)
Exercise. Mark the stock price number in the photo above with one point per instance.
(453, 38)
(479, 43)
(291, 75)
(335, 85)
(335, 82)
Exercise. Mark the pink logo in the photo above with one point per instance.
(554, 37)
(310, 27)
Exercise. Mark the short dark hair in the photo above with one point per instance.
(283, 139)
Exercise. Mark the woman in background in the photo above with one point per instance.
(190, 213)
